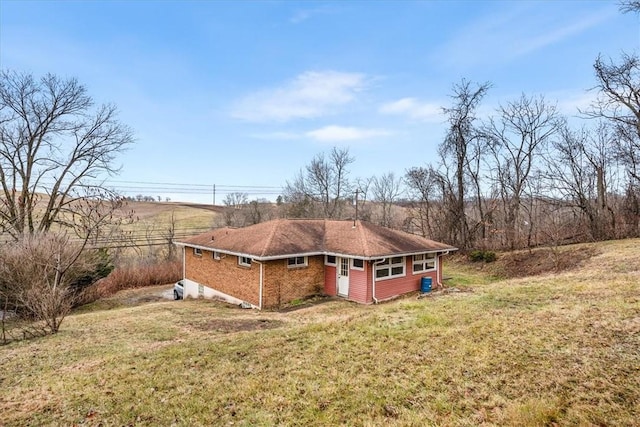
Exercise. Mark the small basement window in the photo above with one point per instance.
(357, 264)
(197, 251)
(216, 255)
(297, 261)
(244, 261)
(330, 260)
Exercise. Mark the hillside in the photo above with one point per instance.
(551, 349)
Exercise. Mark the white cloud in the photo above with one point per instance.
(333, 133)
(311, 94)
(414, 109)
(302, 15)
(277, 135)
(569, 103)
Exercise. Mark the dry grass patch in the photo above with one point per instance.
(557, 349)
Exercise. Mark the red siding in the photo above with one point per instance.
(410, 282)
(358, 285)
(330, 287)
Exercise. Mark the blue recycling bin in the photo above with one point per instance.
(425, 284)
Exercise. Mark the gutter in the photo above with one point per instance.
(373, 279)
(307, 254)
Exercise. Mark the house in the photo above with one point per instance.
(275, 262)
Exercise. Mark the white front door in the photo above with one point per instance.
(343, 277)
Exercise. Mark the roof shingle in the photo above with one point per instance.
(281, 238)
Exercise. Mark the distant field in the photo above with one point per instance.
(544, 350)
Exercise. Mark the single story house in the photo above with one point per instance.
(275, 262)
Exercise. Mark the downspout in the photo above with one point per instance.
(184, 262)
(373, 279)
(261, 285)
(438, 272)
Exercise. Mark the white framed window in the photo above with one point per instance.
(424, 262)
(330, 260)
(357, 264)
(297, 261)
(197, 251)
(216, 255)
(390, 268)
(244, 261)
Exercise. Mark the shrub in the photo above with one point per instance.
(484, 256)
(136, 275)
(476, 256)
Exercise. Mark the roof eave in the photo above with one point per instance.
(313, 253)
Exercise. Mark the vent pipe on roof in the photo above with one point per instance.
(356, 216)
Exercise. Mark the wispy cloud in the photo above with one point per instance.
(277, 135)
(330, 133)
(309, 95)
(333, 133)
(571, 103)
(501, 37)
(414, 109)
(302, 15)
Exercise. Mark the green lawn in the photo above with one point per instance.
(552, 349)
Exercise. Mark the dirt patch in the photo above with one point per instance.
(306, 303)
(227, 326)
(543, 261)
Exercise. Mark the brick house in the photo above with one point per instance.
(278, 261)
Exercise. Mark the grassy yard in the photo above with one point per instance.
(561, 349)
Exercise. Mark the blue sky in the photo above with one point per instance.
(246, 93)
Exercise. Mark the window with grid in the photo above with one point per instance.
(424, 262)
(390, 268)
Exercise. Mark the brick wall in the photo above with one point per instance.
(283, 284)
(224, 275)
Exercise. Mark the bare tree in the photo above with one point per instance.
(459, 156)
(169, 235)
(54, 142)
(45, 288)
(422, 186)
(618, 87)
(578, 171)
(324, 182)
(386, 189)
(629, 6)
(234, 204)
(516, 139)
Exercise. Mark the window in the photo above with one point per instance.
(424, 262)
(330, 260)
(244, 261)
(357, 264)
(297, 261)
(216, 255)
(197, 251)
(390, 268)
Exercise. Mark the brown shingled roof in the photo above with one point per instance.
(281, 238)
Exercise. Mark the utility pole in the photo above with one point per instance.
(214, 194)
